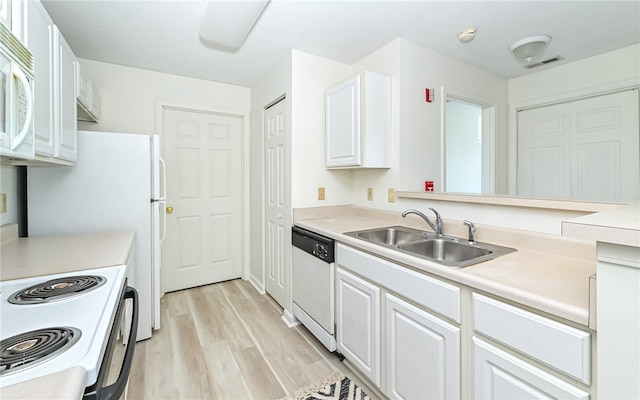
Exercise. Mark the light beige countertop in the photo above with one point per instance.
(64, 385)
(619, 225)
(548, 273)
(45, 255)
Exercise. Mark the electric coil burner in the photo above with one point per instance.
(31, 348)
(57, 289)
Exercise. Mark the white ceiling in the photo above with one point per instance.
(163, 35)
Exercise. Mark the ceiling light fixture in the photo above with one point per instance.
(227, 23)
(466, 35)
(529, 48)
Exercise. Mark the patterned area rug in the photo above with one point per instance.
(336, 386)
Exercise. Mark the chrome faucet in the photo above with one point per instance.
(437, 227)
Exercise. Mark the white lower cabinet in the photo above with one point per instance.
(502, 376)
(422, 353)
(358, 323)
(391, 337)
(415, 336)
(563, 351)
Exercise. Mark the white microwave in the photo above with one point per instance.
(16, 98)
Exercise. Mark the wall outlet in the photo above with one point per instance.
(391, 195)
(320, 193)
(370, 194)
(3, 203)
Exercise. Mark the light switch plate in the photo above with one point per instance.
(391, 195)
(3, 203)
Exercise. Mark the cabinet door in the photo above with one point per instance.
(423, 353)
(67, 146)
(41, 44)
(500, 375)
(343, 124)
(358, 323)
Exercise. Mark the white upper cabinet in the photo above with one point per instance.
(41, 33)
(14, 16)
(358, 122)
(88, 99)
(55, 89)
(68, 133)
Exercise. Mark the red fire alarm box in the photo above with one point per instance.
(428, 95)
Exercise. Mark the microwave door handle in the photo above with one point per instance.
(114, 391)
(22, 78)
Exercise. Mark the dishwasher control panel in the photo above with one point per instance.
(320, 250)
(314, 244)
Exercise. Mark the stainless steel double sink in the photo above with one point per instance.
(446, 250)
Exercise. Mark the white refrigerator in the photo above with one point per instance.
(117, 183)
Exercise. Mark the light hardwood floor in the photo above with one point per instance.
(227, 341)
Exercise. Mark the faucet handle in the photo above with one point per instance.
(472, 230)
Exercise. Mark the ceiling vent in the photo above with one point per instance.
(541, 63)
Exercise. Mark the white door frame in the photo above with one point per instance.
(244, 115)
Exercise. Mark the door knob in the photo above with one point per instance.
(169, 210)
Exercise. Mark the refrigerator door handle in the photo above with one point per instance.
(163, 178)
(161, 206)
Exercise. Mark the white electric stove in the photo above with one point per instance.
(85, 320)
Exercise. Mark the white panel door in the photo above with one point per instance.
(358, 323)
(544, 142)
(423, 353)
(204, 196)
(606, 145)
(585, 149)
(277, 227)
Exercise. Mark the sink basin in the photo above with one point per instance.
(449, 251)
(445, 250)
(390, 236)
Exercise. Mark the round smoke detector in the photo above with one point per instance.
(466, 35)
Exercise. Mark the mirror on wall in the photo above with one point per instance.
(583, 149)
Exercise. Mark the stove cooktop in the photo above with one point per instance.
(90, 314)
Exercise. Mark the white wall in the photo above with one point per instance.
(8, 179)
(578, 78)
(311, 75)
(416, 128)
(128, 96)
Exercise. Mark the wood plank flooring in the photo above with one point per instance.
(227, 341)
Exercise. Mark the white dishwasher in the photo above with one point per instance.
(313, 284)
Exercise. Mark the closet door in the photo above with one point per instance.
(585, 149)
